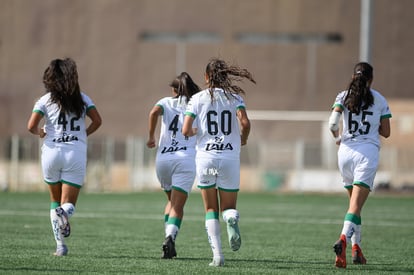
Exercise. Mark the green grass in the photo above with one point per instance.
(282, 234)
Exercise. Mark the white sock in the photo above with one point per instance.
(171, 230)
(214, 237)
(55, 227)
(69, 208)
(348, 229)
(231, 213)
(356, 237)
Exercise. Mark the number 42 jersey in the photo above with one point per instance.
(363, 127)
(63, 129)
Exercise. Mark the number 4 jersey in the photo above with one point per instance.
(63, 129)
(363, 127)
(173, 143)
(215, 117)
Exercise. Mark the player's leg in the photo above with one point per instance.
(167, 208)
(357, 201)
(177, 202)
(55, 194)
(212, 224)
(228, 183)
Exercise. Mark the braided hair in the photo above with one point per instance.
(61, 80)
(221, 75)
(359, 96)
(185, 86)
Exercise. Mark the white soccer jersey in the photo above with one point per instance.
(63, 129)
(218, 131)
(173, 143)
(364, 127)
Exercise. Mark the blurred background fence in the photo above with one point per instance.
(295, 162)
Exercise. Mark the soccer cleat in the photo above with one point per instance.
(61, 250)
(168, 248)
(357, 256)
(217, 261)
(63, 221)
(340, 251)
(233, 234)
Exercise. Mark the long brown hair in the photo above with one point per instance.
(222, 75)
(185, 86)
(61, 80)
(359, 96)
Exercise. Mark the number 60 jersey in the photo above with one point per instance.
(215, 117)
(63, 129)
(363, 127)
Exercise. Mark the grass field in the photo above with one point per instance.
(282, 234)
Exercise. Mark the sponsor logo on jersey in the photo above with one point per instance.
(173, 149)
(65, 138)
(218, 147)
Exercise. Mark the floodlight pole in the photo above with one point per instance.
(365, 31)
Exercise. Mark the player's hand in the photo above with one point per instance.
(42, 133)
(151, 143)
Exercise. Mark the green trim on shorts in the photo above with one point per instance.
(71, 184)
(54, 204)
(348, 187)
(212, 216)
(229, 190)
(386, 116)
(362, 184)
(175, 220)
(207, 187)
(180, 190)
(51, 182)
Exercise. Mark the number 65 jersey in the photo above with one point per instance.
(63, 129)
(215, 117)
(363, 127)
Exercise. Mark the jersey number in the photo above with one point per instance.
(353, 125)
(174, 126)
(213, 125)
(63, 121)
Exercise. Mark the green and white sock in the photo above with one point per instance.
(350, 225)
(54, 219)
(172, 227)
(214, 234)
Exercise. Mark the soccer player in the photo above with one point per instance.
(63, 108)
(366, 117)
(175, 161)
(217, 116)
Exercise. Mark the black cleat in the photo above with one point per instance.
(168, 248)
